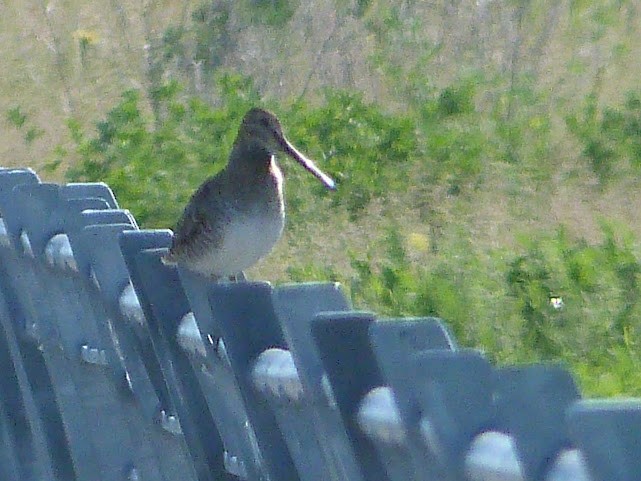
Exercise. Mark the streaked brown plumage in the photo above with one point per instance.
(235, 218)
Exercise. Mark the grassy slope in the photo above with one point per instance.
(561, 54)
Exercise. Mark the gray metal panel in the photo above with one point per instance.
(221, 388)
(243, 313)
(532, 401)
(163, 303)
(342, 339)
(26, 429)
(609, 434)
(296, 305)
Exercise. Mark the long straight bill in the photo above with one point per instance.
(308, 164)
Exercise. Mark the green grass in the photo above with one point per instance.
(417, 258)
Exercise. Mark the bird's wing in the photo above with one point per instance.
(201, 221)
(190, 231)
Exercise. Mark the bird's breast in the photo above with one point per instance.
(276, 175)
(248, 224)
(245, 241)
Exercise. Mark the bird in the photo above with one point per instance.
(235, 218)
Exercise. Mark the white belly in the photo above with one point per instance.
(246, 241)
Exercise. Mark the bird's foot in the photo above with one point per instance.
(168, 260)
(240, 277)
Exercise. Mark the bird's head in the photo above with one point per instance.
(262, 130)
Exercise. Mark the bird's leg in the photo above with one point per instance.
(240, 277)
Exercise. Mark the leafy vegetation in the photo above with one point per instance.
(153, 164)
(611, 137)
(466, 139)
(275, 13)
(552, 296)
(553, 299)
(20, 121)
(153, 168)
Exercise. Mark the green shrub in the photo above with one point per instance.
(274, 13)
(556, 297)
(598, 285)
(212, 33)
(155, 165)
(19, 120)
(368, 150)
(610, 137)
(154, 168)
